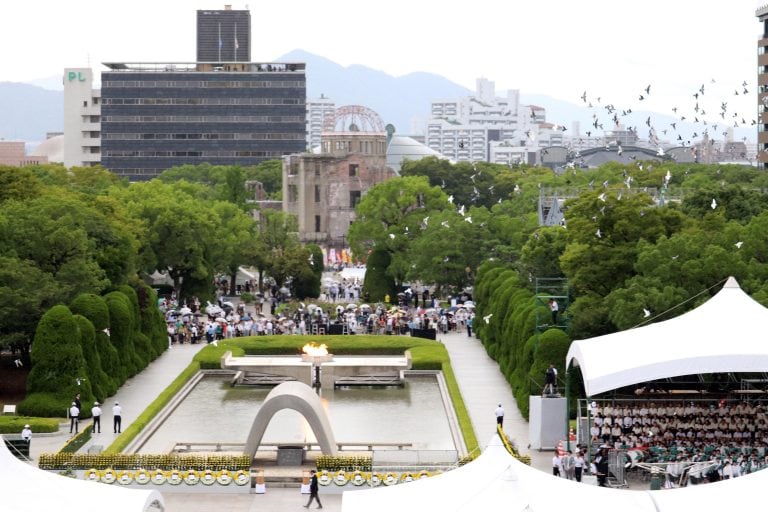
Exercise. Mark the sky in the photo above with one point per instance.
(610, 49)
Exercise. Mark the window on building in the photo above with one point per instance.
(354, 198)
(317, 193)
(85, 103)
(353, 169)
(317, 223)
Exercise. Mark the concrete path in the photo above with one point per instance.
(483, 387)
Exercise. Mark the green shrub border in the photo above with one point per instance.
(344, 462)
(425, 354)
(78, 440)
(15, 424)
(58, 461)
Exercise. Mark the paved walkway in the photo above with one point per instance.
(483, 387)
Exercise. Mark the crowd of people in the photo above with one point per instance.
(730, 436)
(401, 314)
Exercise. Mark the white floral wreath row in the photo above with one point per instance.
(173, 477)
(373, 479)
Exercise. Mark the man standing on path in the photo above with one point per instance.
(313, 490)
(117, 412)
(500, 416)
(74, 417)
(96, 412)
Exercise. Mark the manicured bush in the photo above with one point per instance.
(57, 365)
(344, 463)
(552, 348)
(142, 349)
(94, 308)
(95, 373)
(15, 424)
(121, 334)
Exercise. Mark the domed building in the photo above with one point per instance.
(322, 189)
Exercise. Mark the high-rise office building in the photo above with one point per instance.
(157, 116)
(223, 36)
(762, 89)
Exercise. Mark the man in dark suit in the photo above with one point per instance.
(313, 490)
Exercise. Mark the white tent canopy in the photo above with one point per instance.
(31, 490)
(497, 481)
(725, 334)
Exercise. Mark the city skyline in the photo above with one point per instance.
(612, 53)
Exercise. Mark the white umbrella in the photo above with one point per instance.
(365, 306)
(220, 319)
(351, 306)
(469, 304)
(185, 310)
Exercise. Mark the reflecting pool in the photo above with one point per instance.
(215, 412)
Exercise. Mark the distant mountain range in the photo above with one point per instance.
(28, 111)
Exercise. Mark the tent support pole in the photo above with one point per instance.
(567, 409)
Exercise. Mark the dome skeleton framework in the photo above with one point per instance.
(354, 119)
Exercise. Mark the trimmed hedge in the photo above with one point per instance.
(57, 364)
(15, 424)
(62, 460)
(344, 463)
(94, 308)
(510, 336)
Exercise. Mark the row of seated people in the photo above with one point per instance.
(732, 437)
(695, 422)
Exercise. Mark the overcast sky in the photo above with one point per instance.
(612, 49)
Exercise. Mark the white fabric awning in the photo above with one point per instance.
(725, 334)
(31, 490)
(498, 481)
(494, 481)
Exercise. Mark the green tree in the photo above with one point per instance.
(26, 292)
(391, 214)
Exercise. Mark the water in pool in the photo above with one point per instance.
(215, 412)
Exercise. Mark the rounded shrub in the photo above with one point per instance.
(58, 366)
(152, 320)
(94, 308)
(121, 334)
(96, 373)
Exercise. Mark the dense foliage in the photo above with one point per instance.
(639, 242)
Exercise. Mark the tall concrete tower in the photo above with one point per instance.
(223, 36)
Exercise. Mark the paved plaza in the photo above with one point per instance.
(482, 386)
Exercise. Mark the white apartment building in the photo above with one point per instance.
(82, 119)
(318, 109)
(473, 128)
